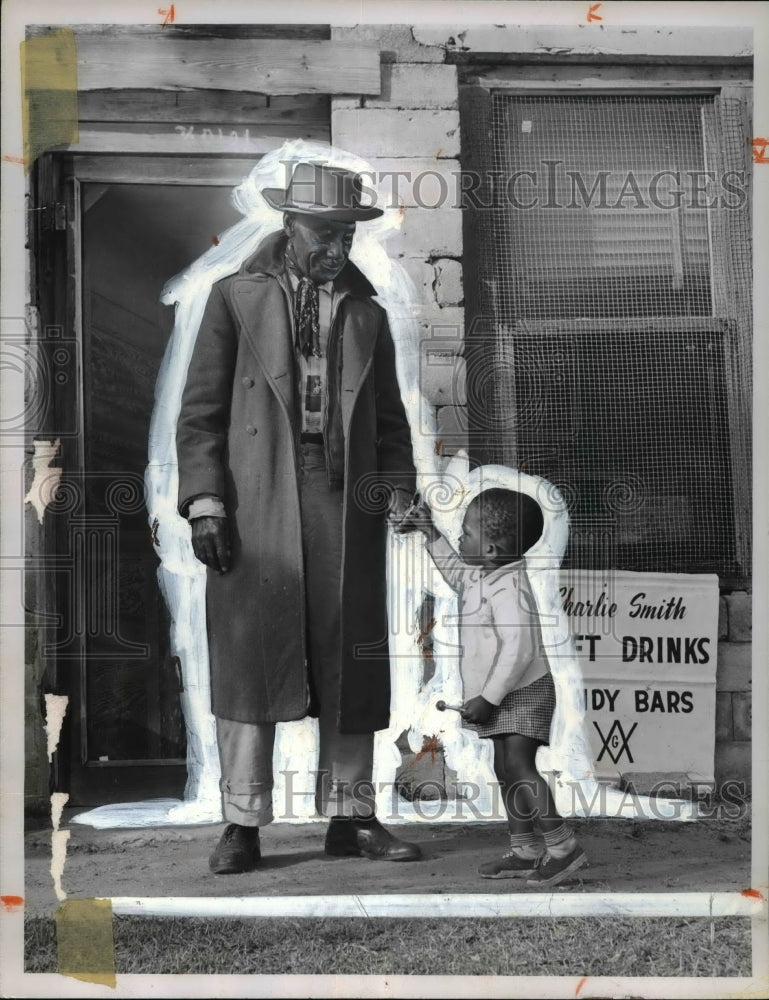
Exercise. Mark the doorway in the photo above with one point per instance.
(127, 738)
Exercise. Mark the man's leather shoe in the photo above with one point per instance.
(367, 838)
(237, 850)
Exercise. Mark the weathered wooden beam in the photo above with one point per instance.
(164, 62)
(465, 42)
(206, 31)
(221, 128)
(191, 143)
(221, 171)
(595, 85)
(232, 107)
(673, 325)
(622, 74)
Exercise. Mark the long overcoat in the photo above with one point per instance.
(237, 438)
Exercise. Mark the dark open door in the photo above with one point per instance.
(123, 231)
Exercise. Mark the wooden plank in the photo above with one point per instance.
(215, 171)
(616, 75)
(218, 106)
(165, 62)
(611, 42)
(674, 325)
(174, 143)
(277, 31)
(168, 106)
(210, 129)
(598, 87)
(729, 136)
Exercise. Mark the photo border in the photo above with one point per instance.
(14, 293)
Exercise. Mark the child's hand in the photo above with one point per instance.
(401, 502)
(418, 517)
(477, 710)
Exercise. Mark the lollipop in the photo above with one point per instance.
(443, 707)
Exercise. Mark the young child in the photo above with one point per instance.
(509, 695)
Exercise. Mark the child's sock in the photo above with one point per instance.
(526, 845)
(560, 841)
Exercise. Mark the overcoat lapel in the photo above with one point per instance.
(260, 305)
(358, 341)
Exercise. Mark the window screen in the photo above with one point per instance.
(632, 426)
(590, 192)
(612, 258)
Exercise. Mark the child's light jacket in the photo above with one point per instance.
(499, 627)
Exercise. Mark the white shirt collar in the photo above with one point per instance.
(511, 567)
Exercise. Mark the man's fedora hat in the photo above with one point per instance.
(327, 192)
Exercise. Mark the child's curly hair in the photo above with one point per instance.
(512, 520)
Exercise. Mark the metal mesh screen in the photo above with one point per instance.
(633, 429)
(590, 186)
(619, 312)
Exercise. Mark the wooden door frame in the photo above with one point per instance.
(56, 293)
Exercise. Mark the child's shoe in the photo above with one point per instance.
(551, 871)
(510, 865)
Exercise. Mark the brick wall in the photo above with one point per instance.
(413, 126)
(733, 688)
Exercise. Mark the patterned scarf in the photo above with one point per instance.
(307, 318)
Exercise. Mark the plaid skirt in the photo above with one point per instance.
(527, 711)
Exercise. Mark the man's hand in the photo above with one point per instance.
(400, 505)
(211, 542)
(418, 516)
(477, 710)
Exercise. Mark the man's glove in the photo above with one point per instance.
(211, 542)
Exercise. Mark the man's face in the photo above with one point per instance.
(321, 247)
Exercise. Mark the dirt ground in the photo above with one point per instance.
(624, 856)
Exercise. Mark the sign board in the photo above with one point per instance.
(647, 644)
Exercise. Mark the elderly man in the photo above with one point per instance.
(293, 445)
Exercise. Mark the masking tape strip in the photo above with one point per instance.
(49, 92)
(85, 940)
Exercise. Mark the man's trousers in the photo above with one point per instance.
(346, 760)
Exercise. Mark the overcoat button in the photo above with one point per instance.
(247, 382)
(251, 429)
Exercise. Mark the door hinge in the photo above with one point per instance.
(55, 216)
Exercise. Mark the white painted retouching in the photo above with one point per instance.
(45, 477)
(55, 710)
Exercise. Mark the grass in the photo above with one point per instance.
(589, 946)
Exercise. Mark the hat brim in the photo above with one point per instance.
(276, 198)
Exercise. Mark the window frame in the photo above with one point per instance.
(476, 97)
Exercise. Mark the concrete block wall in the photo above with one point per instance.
(733, 689)
(413, 127)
